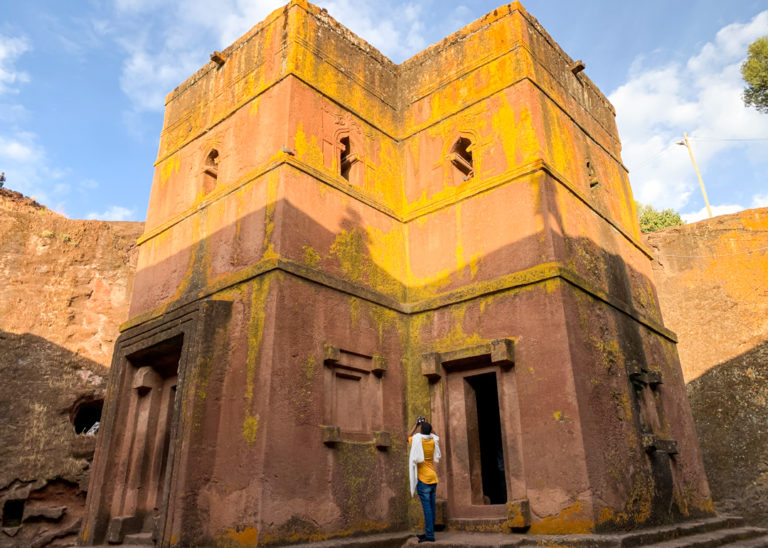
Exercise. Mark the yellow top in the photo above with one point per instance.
(426, 470)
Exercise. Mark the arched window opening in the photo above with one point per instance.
(86, 416)
(461, 157)
(211, 171)
(212, 163)
(593, 182)
(346, 158)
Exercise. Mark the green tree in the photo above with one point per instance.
(755, 73)
(652, 219)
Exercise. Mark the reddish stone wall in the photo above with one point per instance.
(712, 281)
(317, 271)
(64, 293)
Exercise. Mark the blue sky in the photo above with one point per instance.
(82, 85)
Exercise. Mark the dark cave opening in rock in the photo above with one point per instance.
(13, 512)
(85, 416)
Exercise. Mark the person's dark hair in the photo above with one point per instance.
(426, 428)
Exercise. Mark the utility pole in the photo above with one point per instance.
(698, 174)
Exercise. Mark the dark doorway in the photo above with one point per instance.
(148, 444)
(489, 434)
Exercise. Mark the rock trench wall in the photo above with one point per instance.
(712, 282)
(64, 292)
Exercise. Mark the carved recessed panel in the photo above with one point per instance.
(353, 404)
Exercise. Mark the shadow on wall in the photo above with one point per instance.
(46, 394)
(607, 345)
(730, 408)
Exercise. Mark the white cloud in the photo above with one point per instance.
(166, 42)
(20, 148)
(760, 200)
(25, 161)
(10, 49)
(148, 76)
(716, 210)
(397, 30)
(27, 167)
(730, 43)
(113, 213)
(702, 98)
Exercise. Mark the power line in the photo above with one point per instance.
(669, 147)
(651, 158)
(727, 139)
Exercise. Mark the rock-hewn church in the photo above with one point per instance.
(336, 244)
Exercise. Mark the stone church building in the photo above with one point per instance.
(336, 244)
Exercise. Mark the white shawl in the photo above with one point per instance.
(417, 456)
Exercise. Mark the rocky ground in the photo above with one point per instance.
(64, 290)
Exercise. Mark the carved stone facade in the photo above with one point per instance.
(336, 244)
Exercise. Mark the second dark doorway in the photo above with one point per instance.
(489, 433)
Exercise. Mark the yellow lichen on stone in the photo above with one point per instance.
(310, 368)
(269, 216)
(388, 182)
(388, 272)
(246, 537)
(520, 145)
(308, 149)
(571, 520)
(311, 257)
(354, 311)
(622, 405)
(460, 262)
(169, 167)
(250, 427)
(457, 338)
(259, 291)
(638, 506)
(253, 108)
(350, 248)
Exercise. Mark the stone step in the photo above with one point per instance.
(138, 539)
(467, 539)
(377, 540)
(632, 539)
(719, 537)
(644, 537)
(757, 542)
(720, 531)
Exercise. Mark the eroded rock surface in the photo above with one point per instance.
(64, 292)
(712, 281)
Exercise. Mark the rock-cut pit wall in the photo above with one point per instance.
(712, 281)
(64, 292)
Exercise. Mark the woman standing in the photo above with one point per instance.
(425, 452)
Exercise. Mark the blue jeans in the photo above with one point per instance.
(426, 493)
